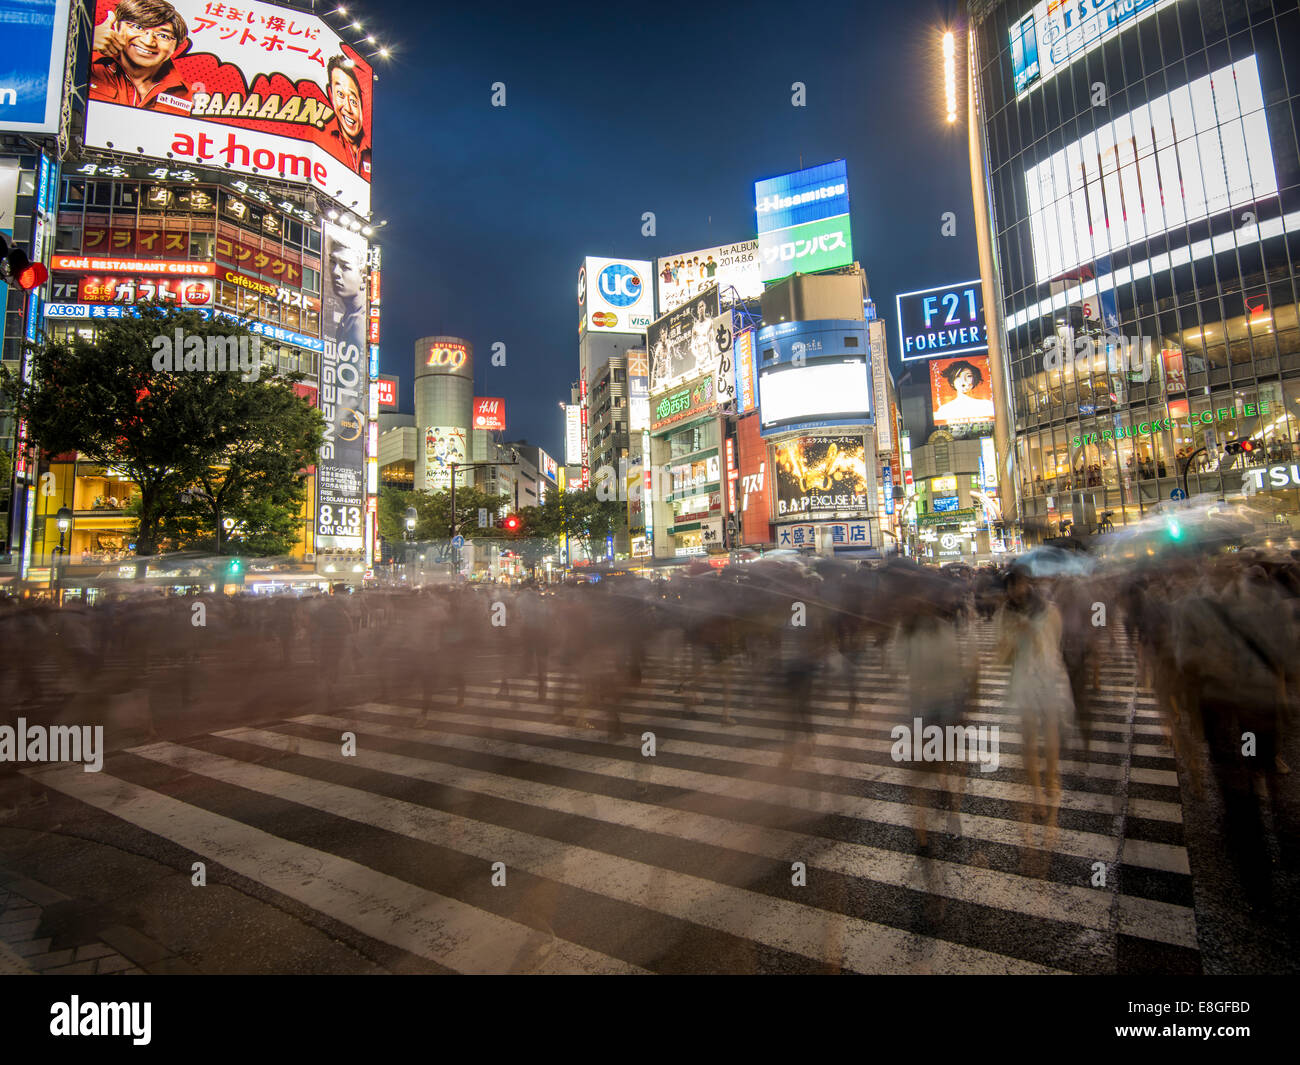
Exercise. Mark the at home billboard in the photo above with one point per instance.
(251, 87)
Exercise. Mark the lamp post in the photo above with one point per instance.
(64, 521)
(411, 518)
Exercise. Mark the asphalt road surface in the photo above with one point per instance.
(497, 836)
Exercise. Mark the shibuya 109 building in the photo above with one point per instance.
(219, 159)
(1137, 191)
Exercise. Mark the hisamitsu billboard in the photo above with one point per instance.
(803, 221)
(947, 320)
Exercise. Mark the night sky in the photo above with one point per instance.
(614, 110)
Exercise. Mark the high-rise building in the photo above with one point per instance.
(1137, 189)
(195, 204)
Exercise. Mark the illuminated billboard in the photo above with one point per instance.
(948, 320)
(1054, 34)
(680, 404)
(820, 474)
(746, 375)
(344, 391)
(573, 434)
(489, 413)
(638, 391)
(387, 390)
(803, 221)
(255, 88)
(813, 374)
(681, 344)
(181, 292)
(961, 392)
(443, 445)
(729, 266)
(614, 295)
(448, 357)
(1198, 151)
(31, 64)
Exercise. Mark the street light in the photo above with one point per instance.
(64, 521)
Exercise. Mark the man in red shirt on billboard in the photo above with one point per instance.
(132, 60)
(349, 117)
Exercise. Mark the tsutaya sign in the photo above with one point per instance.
(1159, 425)
(1278, 477)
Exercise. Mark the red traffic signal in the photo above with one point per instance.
(18, 270)
(34, 276)
(512, 523)
(1239, 447)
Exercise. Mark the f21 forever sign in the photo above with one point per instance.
(946, 320)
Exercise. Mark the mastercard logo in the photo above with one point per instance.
(604, 319)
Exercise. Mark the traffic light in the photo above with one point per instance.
(235, 568)
(511, 523)
(1239, 447)
(18, 270)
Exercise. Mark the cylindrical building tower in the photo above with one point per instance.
(444, 400)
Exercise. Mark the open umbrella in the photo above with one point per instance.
(1048, 561)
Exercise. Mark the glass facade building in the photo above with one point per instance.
(1144, 192)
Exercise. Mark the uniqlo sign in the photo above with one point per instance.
(387, 391)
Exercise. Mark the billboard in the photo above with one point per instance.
(681, 345)
(803, 221)
(255, 88)
(1195, 152)
(819, 474)
(35, 34)
(573, 434)
(813, 374)
(172, 267)
(690, 400)
(614, 295)
(387, 390)
(729, 266)
(181, 292)
(753, 502)
(746, 376)
(638, 391)
(946, 320)
(961, 392)
(1054, 34)
(489, 413)
(547, 466)
(344, 369)
(443, 445)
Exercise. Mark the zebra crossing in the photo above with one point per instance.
(714, 854)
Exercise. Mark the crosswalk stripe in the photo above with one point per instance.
(863, 946)
(1008, 735)
(1085, 906)
(1091, 846)
(1155, 855)
(382, 907)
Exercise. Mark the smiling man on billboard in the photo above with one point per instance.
(132, 61)
(349, 128)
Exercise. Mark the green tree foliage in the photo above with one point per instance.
(587, 519)
(201, 446)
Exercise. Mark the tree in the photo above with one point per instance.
(433, 514)
(243, 443)
(581, 514)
